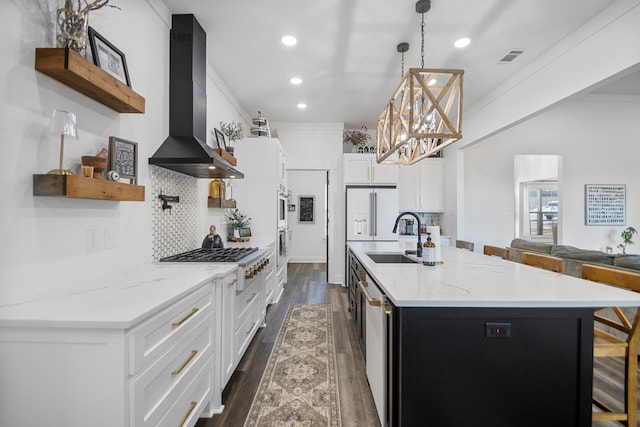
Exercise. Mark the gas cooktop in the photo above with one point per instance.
(211, 255)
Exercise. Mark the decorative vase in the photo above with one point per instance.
(72, 28)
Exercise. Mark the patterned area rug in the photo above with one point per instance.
(299, 387)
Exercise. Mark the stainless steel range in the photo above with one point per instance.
(250, 260)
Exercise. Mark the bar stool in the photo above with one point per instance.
(496, 251)
(608, 345)
(547, 262)
(461, 244)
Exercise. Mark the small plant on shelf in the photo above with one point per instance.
(356, 137)
(627, 235)
(232, 130)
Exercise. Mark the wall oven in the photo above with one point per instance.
(283, 207)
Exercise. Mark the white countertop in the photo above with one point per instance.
(120, 301)
(471, 279)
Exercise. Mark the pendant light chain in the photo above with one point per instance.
(402, 69)
(422, 46)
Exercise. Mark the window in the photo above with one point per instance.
(539, 213)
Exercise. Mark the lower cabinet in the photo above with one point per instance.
(160, 372)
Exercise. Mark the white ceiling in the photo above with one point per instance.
(346, 52)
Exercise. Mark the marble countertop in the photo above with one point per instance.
(119, 301)
(471, 279)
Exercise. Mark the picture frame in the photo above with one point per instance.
(123, 158)
(108, 57)
(605, 204)
(306, 214)
(221, 139)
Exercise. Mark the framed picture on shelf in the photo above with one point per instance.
(306, 214)
(123, 158)
(108, 57)
(221, 139)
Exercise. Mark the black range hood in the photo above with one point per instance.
(186, 150)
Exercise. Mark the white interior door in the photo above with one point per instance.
(308, 238)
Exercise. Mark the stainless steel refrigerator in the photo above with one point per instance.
(371, 213)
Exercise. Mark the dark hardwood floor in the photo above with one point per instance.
(307, 285)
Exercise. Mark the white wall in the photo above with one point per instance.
(318, 146)
(597, 139)
(45, 238)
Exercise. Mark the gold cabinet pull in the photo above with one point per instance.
(374, 302)
(185, 363)
(233, 282)
(252, 297)
(387, 309)
(186, 416)
(250, 328)
(185, 318)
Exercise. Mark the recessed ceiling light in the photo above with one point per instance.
(432, 82)
(289, 40)
(302, 105)
(463, 42)
(295, 80)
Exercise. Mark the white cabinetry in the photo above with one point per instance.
(376, 345)
(421, 186)
(364, 169)
(262, 161)
(228, 361)
(159, 371)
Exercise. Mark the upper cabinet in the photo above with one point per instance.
(364, 169)
(421, 186)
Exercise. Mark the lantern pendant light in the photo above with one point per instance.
(424, 114)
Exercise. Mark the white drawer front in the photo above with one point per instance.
(247, 299)
(247, 330)
(158, 387)
(191, 403)
(152, 337)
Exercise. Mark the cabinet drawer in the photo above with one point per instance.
(187, 409)
(152, 337)
(246, 299)
(158, 387)
(246, 330)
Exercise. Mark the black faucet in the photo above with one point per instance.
(395, 228)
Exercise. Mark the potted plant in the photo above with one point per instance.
(627, 235)
(356, 137)
(73, 22)
(232, 130)
(235, 219)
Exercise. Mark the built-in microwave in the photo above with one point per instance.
(283, 207)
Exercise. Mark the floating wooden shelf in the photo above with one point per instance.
(225, 155)
(69, 67)
(220, 203)
(78, 187)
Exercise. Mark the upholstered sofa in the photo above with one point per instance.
(573, 257)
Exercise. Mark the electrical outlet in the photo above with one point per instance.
(497, 330)
(108, 238)
(93, 241)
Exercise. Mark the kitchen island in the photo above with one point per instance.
(478, 340)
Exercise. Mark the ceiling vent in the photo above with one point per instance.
(511, 55)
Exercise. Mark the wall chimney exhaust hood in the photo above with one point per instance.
(186, 150)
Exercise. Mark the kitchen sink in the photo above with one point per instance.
(391, 258)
